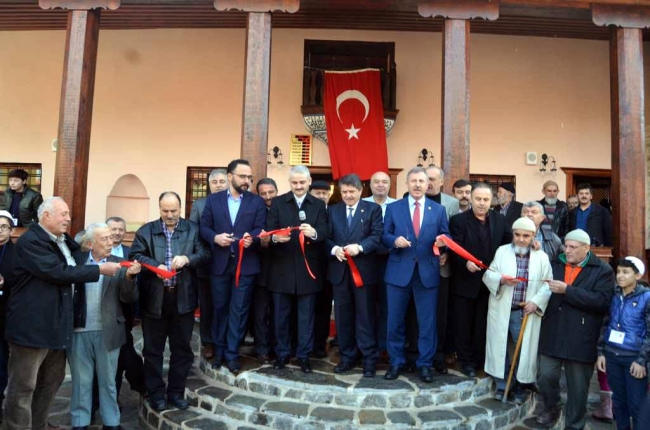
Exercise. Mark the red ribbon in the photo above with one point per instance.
(462, 252)
(160, 272)
(356, 276)
(280, 232)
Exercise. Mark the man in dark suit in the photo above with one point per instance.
(289, 278)
(508, 206)
(354, 227)
(168, 305)
(99, 331)
(410, 230)
(594, 219)
(481, 232)
(262, 297)
(217, 181)
(228, 217)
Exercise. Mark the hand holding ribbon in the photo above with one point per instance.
(166, 274)
(354, 270)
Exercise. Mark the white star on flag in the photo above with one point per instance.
(352, 132)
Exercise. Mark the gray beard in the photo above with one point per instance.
(550, 202)
(520, 250)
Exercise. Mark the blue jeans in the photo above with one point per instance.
(514, 327)
(629, 392)
(87, 356)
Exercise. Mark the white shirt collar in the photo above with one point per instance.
(91, 260)
(412, 201)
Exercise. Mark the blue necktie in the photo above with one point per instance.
(349, 217)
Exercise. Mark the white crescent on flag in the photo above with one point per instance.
(352, 94)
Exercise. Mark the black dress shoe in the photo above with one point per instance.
(424, 372)
(305, 366)
(158, 405)
(469, 371)
(178, 401)
(217, 362)
(112, 428)
(369, 371)
(319, 353)
(280, 363)
(234, 366)
(498, 395)
(393, 373)
(343, 367)
(440, 367)
(263, 358)
(80, 428)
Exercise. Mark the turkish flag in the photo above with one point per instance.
(354, 115)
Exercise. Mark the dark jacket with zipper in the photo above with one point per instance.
(631, 315)
(7, 262)
(572, 321)
(39, 313)
(28, 208)
(552, 245)
(560, 224)
(149, 246)
(599, 224)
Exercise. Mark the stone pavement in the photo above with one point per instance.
(263, 398)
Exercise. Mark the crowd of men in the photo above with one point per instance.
(272, 265)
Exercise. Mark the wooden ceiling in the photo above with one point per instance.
(545, 18)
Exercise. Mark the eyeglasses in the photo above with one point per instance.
(242, 177)
(5, 227)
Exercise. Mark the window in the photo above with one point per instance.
(493, 181)
(197, 185)
(33, 181)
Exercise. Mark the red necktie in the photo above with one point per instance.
(416, 219)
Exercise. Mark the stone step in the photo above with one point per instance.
(288, 399)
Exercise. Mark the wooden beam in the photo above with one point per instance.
(75, 115)
(454, 9)
(455, 101)
(621, 16)
(289, 6)
(255, 122)
(79, 4)
(628, 142)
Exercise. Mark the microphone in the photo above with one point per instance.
(302, 216)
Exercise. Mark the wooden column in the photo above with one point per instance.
(628, 128)
(455, 123)
(257, 73)
(76, 108)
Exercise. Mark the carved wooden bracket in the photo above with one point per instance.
(454, 9)
(628, 16)
(80, 4)
(290, 6)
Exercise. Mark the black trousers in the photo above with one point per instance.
(178, 328)
(470, 326)
(323, 316)
(282, 308)
(262, 317)
(205, 305)
(355, 320)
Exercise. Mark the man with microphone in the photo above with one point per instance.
(290, 274)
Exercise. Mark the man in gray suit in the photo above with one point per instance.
(218, 181)
(99, 331)
(436, 179)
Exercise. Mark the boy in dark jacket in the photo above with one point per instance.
(624, 344)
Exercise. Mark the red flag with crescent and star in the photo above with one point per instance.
(354, 115)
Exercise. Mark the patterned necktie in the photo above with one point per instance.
(349, 217)
(416, 219)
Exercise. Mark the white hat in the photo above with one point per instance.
(579, 236)
(524, 224)
(637, 263)
(5, 214)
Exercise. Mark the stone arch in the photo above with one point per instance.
(129, 199)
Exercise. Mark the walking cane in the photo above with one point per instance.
(516, 355)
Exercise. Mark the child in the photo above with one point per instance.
(624, 345)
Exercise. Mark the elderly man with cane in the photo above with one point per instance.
(519, 292)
